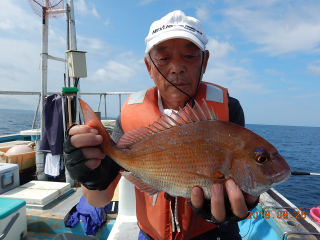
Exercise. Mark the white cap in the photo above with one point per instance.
(176, 25)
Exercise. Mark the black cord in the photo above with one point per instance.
(191, 98)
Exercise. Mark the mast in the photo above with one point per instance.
(44, 62)
(73, 40)
(44, 77)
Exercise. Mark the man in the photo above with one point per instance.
(176, 59)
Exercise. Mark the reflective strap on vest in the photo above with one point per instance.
(137, 97)
(213, 94)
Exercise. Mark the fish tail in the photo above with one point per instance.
(91, 120)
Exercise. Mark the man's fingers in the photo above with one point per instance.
(236, 198)
(197, 197)
(250, 199)
(92, 163)
(93, 153)
(217, 202)
(81, 129)
(85, 140)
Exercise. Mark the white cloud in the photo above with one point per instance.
(245, 60)
(218, 49)
(107, 22)
(92, 45)
(203, 13)
(314, 69)
(82, 8)
(274, 72)
(14, 17)
(237, 79)
(114, 72)
(308, 95)
(94, 12)
(278, 27)
(294, 88)
(145, 2)
(6, 24)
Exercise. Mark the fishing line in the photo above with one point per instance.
(199, 79)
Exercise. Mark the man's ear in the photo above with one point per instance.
(148, 65)
(205, 60)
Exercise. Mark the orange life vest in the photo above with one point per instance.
(141, 109)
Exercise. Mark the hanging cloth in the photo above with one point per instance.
(52, 137)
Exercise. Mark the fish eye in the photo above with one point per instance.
(262, 158)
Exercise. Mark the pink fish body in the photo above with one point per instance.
(193, 148)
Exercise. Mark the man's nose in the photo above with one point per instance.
(177, 66)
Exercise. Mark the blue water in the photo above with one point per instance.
(14, 122)
(300, 146)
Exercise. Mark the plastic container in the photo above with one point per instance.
(315, 214)
(9, 177)
(24, 160)
(13, 220)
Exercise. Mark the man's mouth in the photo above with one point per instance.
(179, 84)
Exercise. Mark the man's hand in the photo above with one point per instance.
(236, 197)
(86, 138)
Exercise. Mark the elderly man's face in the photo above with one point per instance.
(179, 60)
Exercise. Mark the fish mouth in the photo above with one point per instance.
(281, 177)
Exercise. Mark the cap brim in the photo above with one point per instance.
(171, 35)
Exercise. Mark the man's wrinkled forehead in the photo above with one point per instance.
(166, 46)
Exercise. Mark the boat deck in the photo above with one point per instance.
(45, 224)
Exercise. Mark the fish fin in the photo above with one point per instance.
(140, 185)
(201, 115)
(171, 121)
(191, 113)
(177, 118)
(206, 111)
(213, 179)
(91, 119)
(184, 116)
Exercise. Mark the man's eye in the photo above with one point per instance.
(164, 59)
(190, 56)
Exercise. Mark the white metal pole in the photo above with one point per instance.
(44, 74)
(73, 41)
(44, 64)
(72, 27)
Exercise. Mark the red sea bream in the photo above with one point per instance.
(193, 148)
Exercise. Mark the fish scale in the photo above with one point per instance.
(193, 148)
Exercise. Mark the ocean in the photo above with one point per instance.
(300, 146)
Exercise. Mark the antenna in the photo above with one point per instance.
(52, 8)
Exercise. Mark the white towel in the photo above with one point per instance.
(52, 165)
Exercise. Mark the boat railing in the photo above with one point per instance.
(100, 94)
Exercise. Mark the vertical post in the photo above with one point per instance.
(68, 39)
(36, 113)
(99, 103)
(72, 27)
(105, 107)
(73, 41)
(44, 74)
(44, 63)
(119, 103)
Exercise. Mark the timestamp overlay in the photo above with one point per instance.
(279, 215)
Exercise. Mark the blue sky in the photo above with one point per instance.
(267, 53)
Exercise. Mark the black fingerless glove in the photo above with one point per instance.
(96, 179)
(205, 212)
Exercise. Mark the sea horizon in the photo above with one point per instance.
(113, 118)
